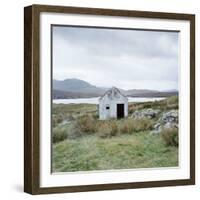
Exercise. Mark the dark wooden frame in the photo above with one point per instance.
(32, 106)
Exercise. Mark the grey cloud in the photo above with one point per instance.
(129, 56)
(117, 42)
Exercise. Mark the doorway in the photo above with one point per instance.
(120, 111)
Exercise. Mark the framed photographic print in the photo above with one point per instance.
(109, 99)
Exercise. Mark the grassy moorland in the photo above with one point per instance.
(81, 142)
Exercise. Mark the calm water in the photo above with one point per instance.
(96, 100)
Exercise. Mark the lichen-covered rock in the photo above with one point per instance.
(168, 120)
(170, 116)
(157, 128)
(147, 113)
(170, 125)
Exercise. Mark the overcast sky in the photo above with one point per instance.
(128, 59)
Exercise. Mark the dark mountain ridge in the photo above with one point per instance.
(76, 88)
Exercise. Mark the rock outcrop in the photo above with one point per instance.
(148, 113)
(168, 120)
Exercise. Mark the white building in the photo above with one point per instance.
(113, 104)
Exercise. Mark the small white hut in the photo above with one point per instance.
(113, 104)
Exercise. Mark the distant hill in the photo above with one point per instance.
(150, 93)
(59, 94)
(76, 88)
(77, 85)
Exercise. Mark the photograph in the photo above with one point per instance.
(115, 98)
(109, 99)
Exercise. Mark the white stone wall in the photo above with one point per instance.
(112, 101)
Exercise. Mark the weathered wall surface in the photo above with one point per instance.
(111, 101)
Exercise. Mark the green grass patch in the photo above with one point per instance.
(140, 150)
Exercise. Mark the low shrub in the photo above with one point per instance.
(143, 124)
(104, 130)
(131, 108)
(127, 126)
(147, 105)
(135, 125)
(69, 117)
(107, 129)
(114, 128)
(85, 124)
(74, 132)
(170, 136)
(95, 115)
(59, 134)
(56, 119)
